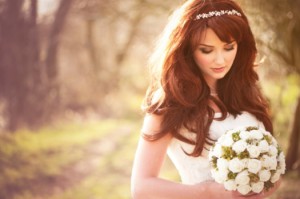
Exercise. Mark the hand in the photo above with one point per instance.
(216, 190)
(251, 195)
(263, 194)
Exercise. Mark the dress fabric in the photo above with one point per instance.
(193, 170)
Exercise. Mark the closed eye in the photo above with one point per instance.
(230, 46)
(205, 51)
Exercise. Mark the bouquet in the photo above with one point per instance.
(246, 159)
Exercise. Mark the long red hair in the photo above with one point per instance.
(178, 90)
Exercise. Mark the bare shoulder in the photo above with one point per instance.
(151, 129)
(152, 124)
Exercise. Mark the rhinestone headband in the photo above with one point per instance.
(217, 13)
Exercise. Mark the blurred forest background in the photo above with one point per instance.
(72, 78)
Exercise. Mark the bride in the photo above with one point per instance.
(203, 84)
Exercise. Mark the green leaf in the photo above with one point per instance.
(253, 177)
(250, 128)
(244, 154)
(236, 136)
(268, 185)
(231, 175)
(228, 153)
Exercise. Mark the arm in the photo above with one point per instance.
(149, 158)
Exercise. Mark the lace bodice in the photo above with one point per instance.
(193, 170)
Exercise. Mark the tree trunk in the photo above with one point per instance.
(293, 153)
(19, 64)
(58, 24)
(90, 24)
(24, 93)
(52, 94)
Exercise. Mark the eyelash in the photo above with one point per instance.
(209, 51)
(229, 49)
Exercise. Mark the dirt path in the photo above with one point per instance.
(75, 173)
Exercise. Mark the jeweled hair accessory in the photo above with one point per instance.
(217, 13)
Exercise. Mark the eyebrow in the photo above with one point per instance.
(213, 46)
(205, 45)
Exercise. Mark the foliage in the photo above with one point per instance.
(74, 162)
(277, 34)
(102, 73)
(28, 158)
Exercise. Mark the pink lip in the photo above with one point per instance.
(218, 70)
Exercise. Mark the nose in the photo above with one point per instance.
(220, 59)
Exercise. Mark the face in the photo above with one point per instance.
(214, 57)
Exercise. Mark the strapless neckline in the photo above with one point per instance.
(193, 170)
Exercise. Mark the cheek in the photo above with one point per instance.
(232, 56)
(203, 61)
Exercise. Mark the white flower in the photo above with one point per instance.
(281, 157)
(213, 172)
(210, 154)
(263, 146)
(235, 130)
(274, 163)
(244, 189)
(269, 162)
(254, 165)
(221, 139)
(244, 135)
(240, 128)
(282, 169)
(230, 132)
(268, 133)
(230, 185)
(222, 164)
(217, 151)
(264, 160)
(245, 162)
(220, 176)
(239, 146)
(282, 166)
(257, 187)
(264, 175)
(275, 177)
(242, 178)
(253, 150)
(274, 141)
(256, 134)
(236, 165)
(228, 141)
(273, 150)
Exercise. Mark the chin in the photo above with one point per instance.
(217, 77)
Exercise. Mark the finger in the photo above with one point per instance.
(251, 195)
(256, 196)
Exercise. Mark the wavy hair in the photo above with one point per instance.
(178, 90)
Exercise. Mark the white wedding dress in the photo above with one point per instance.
(193, 170)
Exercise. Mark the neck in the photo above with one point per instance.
(213, 93)
(212, 84)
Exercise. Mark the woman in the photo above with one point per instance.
(203, 84)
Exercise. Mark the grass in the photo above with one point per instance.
(41, 164)
(32, 157)
(64, 135)
(111, 180)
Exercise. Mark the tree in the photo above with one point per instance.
(110, 33)
(281, 20)
(25, 93)
(32, 86)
